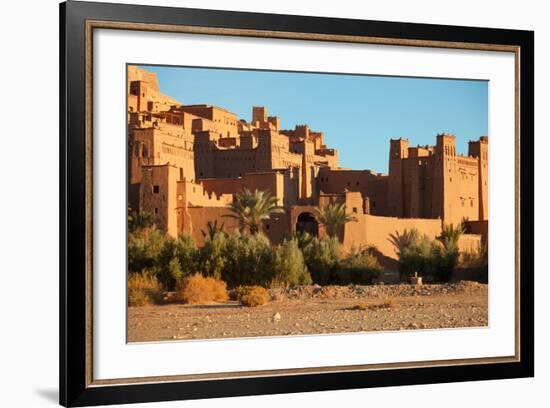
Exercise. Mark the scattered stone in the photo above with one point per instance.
(316, 309)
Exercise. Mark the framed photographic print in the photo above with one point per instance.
(256, 203)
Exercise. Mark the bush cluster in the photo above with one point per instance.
(143, 289)
(361, 268)
(247, 260)
(197, 289)
(477, 262)
(327, 264)
(434, 259)
(251, 296)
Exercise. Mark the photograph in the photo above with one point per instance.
(291, 203)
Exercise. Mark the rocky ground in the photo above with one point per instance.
(315, 309)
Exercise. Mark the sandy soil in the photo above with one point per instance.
(313, 310)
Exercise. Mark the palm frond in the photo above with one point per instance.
(333, 217)
(251, 208)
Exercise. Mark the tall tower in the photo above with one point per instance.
(480, 150)
(446, 145)
(259, 114)
(446, 189)
(399, 150)
(141, 90)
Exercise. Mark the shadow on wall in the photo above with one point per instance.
(51, 395)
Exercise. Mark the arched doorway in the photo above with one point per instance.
(306, 222)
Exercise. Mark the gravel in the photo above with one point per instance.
(313, 309)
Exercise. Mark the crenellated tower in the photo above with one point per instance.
(480, 150)
(399, 150)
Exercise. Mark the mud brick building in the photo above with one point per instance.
(186, 162)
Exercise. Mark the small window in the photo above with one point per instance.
(267, 226)
(156, 210)
(355, 210)
(156, 189)
(373, 204)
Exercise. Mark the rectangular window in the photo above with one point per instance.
(156, 189)
(156, 210)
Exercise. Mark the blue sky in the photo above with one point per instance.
(357, 113)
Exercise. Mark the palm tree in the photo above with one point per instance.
(332, 217)
(251, 208)
(403, 241)
(450, 236)
(212, 229)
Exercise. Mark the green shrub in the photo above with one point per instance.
(289, 268)
(360, 268)
(322, 257)
(144, 247)
(417, 258)
(444, 261)
(177, 259)
(477, 262)
(143, 289)
(213, 255)
(249, 260)
(418, 254)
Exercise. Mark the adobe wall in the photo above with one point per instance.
(469, 242)
(461, 190)
(480, 227)
(197, 218)
(192, 194)
(214, 119)
(480, 150)
(147, 83)
(138, 74)
(236, 162)
(375, 230)
(284, 185)
(368, 183)
(168, 144)
(158, 196)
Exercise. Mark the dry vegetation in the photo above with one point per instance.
(327, 310)
(143, 289)
(252, 296)
(197, 289)
(386, 304)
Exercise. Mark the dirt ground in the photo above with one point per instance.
(315, 310)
